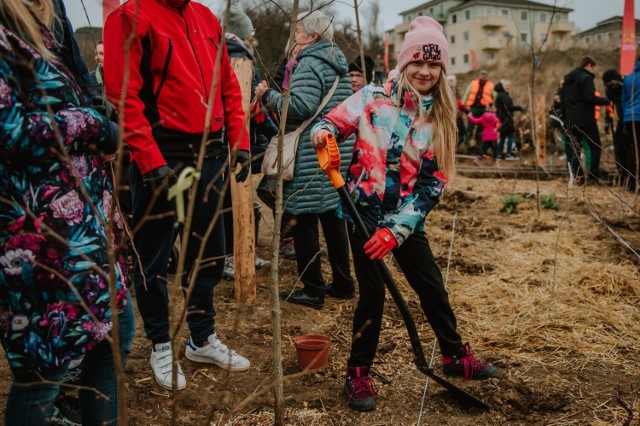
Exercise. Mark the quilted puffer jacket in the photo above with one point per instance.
(318, 65)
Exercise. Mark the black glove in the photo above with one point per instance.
(105, 108)
(159, 180)
(244, 159)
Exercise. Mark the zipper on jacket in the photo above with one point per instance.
(165, 69)
(186, 25)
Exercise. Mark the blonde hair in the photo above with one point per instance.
(29, 22)
(443, 117)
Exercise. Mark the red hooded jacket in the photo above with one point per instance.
(168, 78)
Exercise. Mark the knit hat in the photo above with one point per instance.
(611, 75)
(356, 65)
(424, 42)
(239, 23)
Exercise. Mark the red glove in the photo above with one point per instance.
(380, 244)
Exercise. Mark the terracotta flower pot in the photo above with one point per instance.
(313, 351)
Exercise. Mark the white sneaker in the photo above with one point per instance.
(229, 271)
(161, 365)
(261, 263)
(217, 353)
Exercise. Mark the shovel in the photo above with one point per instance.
(329, 160)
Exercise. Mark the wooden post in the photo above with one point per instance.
(244, 241)
(540, 122)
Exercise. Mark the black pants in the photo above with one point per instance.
(154, 241)
(306, 240)
(421, 271)
(489, 145)
(626, 154)
(462, 132)
(591, 136)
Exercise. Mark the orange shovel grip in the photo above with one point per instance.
(329, 160)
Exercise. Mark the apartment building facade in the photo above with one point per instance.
(480, 31)
(605, 35)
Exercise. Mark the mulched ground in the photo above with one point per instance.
(550, 297)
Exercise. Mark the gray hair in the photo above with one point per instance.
(316, 22)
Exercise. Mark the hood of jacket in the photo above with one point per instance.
(237, 49)
(577, 74)
(327, 52)
(499, 88)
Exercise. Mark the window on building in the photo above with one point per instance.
(543, 16)
(490, 33)
(599, 38)
(524, 37)
(420, 14)
(490, 56)
(506, 34)
(431, 11)
(489, 11)
(454, 18)
(453, 39)
(453, 60)
(465, 58)
(587, 39)
(465, 35)
(504, 12)
(609, 36)
(524, 15)
(467, 14)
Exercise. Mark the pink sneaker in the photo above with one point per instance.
(359, 389)
(465, 364)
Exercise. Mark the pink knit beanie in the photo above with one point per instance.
(424, 42)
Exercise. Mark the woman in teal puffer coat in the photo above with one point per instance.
(311, 73)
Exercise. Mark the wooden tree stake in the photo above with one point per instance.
(244, 241)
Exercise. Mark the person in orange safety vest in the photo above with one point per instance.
(478, 95)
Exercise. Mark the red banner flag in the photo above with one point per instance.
(628, 39)
(108, 6)
(474, 60)
(386, 52)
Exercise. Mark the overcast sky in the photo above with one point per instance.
(586, 12)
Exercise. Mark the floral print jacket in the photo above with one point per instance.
(55, 199)
(393, 176)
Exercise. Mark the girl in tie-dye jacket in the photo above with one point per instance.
(404, 152)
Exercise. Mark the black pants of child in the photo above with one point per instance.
(489, 145)
(416, 260)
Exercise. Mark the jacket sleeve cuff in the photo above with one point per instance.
(110, 143)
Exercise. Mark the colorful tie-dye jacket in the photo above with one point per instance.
(393, 176)
(55, 197)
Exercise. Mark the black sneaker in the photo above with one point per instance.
(340, 292)
(301, 297)
(359, 389)
(465, 364)
(66, 411)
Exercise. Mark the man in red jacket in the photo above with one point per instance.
(160, 60)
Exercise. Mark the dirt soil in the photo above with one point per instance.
(550, 297)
